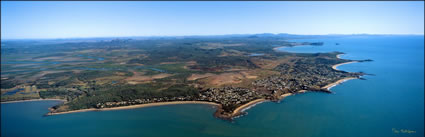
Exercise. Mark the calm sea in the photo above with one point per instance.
(390, 103)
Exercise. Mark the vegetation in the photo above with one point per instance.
(118, 72)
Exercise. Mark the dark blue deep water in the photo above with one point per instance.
(390, 101)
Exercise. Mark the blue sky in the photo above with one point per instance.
(20, 20)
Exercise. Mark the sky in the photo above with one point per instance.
(79, 19)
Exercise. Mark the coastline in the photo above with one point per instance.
(336, 65)
(339, 57)
(135, 106)
(243, 107)
(276, 48)
(329, 86)
(32, 100)
(235, 113)
(238, 111)
(283, 96)
(248, 105)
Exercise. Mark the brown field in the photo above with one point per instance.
(252, 75)
(248, 75)
(138, 77)
(231, 53)
(226, 79)
(268, 64)
(104, 80)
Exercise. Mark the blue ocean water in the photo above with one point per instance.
(392, 100)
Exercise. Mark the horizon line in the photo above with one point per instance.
(201, 35)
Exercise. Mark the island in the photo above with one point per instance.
(228, 72)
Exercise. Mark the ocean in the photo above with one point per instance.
(388, 103)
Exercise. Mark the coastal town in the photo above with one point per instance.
(292, 79)
(230, 73)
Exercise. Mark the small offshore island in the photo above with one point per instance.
(231, 73)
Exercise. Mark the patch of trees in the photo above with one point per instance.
(43, 84)
(57, 92)
(129, 92)
(59, 74)
(92, 74)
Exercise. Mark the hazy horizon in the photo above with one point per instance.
(147, 36)
(65, 20)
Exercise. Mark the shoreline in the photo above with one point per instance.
(28, 100)
(336, 65)
(238, 111)
(283, 96)
(331, 85)
(248, 105)
(339, 57)
(243, 107)
(276, 49)
(135, 106)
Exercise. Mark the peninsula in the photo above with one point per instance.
(230, 73)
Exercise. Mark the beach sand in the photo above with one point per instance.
(277, 48)
(338, 82)
(285, 95)
(334, 66)
(302, 91)
(341, 80)
(240, 109)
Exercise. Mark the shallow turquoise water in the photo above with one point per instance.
(392, 99)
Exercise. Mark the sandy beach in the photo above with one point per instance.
(276, 48)
(334, 66)
(341, 80)
(32, 100)
(242, 108)
(302, 91)
(290, 94)
(285, 95)
(238, 110)
(137, 106)
(339, 56)
(338, 82)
